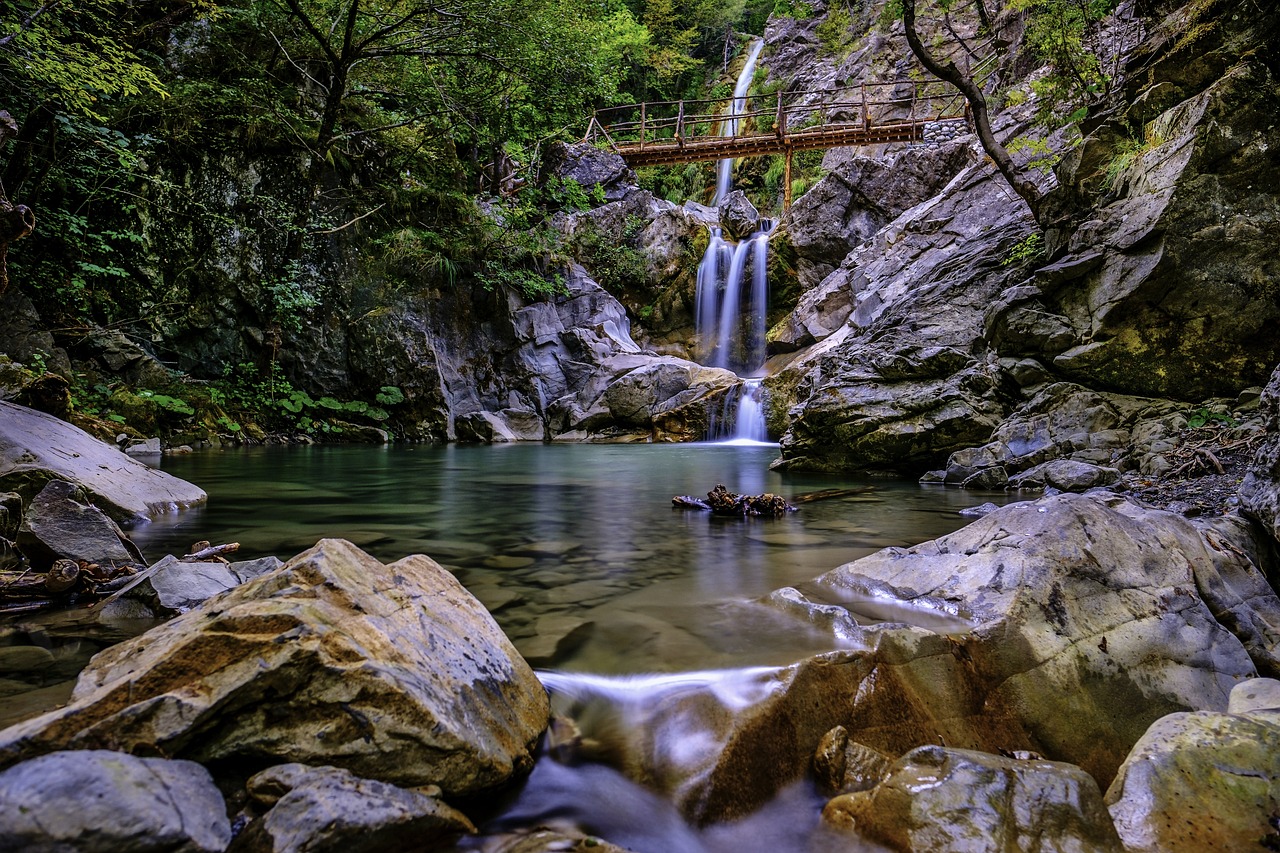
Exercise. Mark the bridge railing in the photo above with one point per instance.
(780, 114)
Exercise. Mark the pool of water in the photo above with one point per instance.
(583, 561)
(576, 549)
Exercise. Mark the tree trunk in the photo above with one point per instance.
(16, 220)
(978, 107)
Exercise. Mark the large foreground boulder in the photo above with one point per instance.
(36, 448)
(96, 801)
(1205, 780)
(394, 672)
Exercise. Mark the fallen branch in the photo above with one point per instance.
(210, 552)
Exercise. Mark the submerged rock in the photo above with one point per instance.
(1205, 780)
(96, 801)
(36, 448)
(391, 671)
(939, 800)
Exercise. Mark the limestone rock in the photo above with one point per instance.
(391, 671)
(96, 801)
(61, 523)
(662, 391)
(859, 197)
(841, 765)
(36, 448)
(1260, 491)
(1067, 475)
(938, 799)
(328, 810)
(1201, 781)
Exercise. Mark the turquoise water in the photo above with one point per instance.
(575, 548)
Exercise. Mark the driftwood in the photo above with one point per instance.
(721, 501)
(203, 552)
(826, 494)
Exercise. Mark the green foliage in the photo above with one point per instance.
(1027, 250)
(390, 395)
(616, 261)
(833, 31)
(1057, 32)
(78, 55)
(1128, 152)
(272, 401)
(1203, 417)
(169, 404)
(797, 9)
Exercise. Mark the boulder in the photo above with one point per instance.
(1205, 780)
(937, 799)
(96, 801)
(173, 586)
(1066, 475)
(328, 810)
(36, 448)
(738, 216)
(1260, 491)
(588, 166)
(60, 523)
(669, 393)
(394, 672)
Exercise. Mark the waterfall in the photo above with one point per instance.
(724, 169)
(730, 314)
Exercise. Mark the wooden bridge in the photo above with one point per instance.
(667, 132)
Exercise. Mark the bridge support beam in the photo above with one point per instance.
(786, 181)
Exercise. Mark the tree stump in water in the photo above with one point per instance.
(721, 501)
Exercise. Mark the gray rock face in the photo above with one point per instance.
(943, 799)
(1160, 287)
(328, 810)
(1203, 781)
(859, 197)
(391, 671)
(60, 523)
(738, 216)
(1260, 491)
(36, 448)
(588, 166)
(95, 801)
(900, 386)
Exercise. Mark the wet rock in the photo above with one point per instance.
(1260, 491)
(96, 801)
(328, 810)
(557, 636)
(1043, 618)
(842, 766)
(940, 799)
(1203, 781)
(60, 523)
(738, 216)
(36, 448)
(334, 658)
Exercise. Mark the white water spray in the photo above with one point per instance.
(724, 170)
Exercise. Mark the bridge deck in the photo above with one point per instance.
(838, 135)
